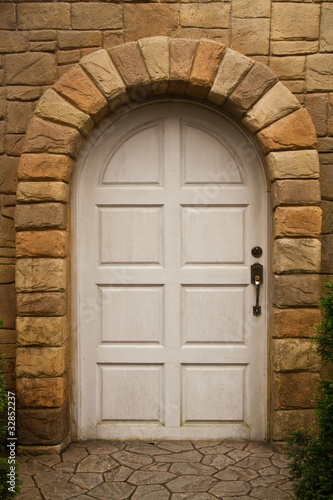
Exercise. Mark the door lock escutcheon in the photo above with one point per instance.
(257, 273)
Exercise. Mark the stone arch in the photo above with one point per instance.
(64, 117)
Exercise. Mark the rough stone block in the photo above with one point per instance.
(7, 274)
(41, 361)
(289, 323)
(294, 131)
(291, 355)
(22, 93)
(43, 16)
(96, 16)
(105, 75)
(112, 38)
(34, 192)
(326, 32)
(41, 392)
(319, 73)
(283, 422)
(18, 116)
(150, 19)
(327, 254)
(291, 21)
(293, 164)
(326, 182)
(45, 167)
(250, 36)
(7, 16)
(296, 255)
(43, 426)
(8, 174)
(43, 136)
(41, 275)
(42, 304)
(205, 15)
(295, 192)
(14, 143)
(156, 57)
(296, 47)
(41, 216)
(318, 106)
(79, 39)
(244, 9)
(35, 68)
(206, 62)
(288, 68)
(182, 53)
(2, 103)
(43, 46)
(296, 290)
(51, 243)
(129, 62)
(12, 41)
(327, 212)
(275, 104)
(8, 305)
(232, 69)
(297, 222)
(68, 56)
(52, 332)
(294, 390)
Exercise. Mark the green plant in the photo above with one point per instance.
(312, 465)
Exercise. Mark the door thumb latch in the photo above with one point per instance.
(257, 279)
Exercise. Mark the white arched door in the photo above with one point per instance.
(170, 199)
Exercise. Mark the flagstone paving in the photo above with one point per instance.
(180, 470)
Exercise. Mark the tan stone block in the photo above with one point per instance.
(129, 62)
(155, 52)
(52, 106)
(43, 426)
(317, 106)
(275, 104)
(68, 56)
(42, 304)
(283, 422)
(46, 137)
(35, 68)
(319, 73)
(79, 39)
(8, 304)
(299, 290)
(150, 19)
(7, 16)
(296, 87)
(294, 131)
(42, 392)
(296, 192)
(220, 35)
(45, 167)
(105, 75)
(50, 243)
(8, 337)
(288, 68)
(96, 16)
(325, 144)
(326, 182)
(43, 16)
(293, 164)
(7, 273)
(41, 216)
(42, 35)
(250, 36)
(182, 53)
(2, 103)
(31, 192)
(9, 350)
(41, 361)
(41, 275)
(255, 83)
(327, 254)
(18, 116)
(292, 22)
(290, 355)
(2, 137)
(327, 209)
(295, 47)
(326, 32)
(112, 38)
(300, 323)
(42, 331)
(232, 69)
(294, 390)
(205, 66)
(296, 255)
(42, 46)
(205, 15)
(14, 143)
(8, 174)
(22, 93)
(12, 41)
(243, 8)
(297, 221)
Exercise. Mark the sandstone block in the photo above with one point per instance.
(297, 221)
(79, 39)
(205, 65)
(52, 106)
(50, 243)
(319, 72)
(7, 16)
(43, 46)
(43, 16)
(283, 422)
(41, 361)
(41, 275)
(255, 83)
(288, 68)
(232, 69)
(8, 305)
(8, 337)
(317, 106)
(18, 116)
(41, 392)
(2, 103)
(326, 34)
(41, 216)
(294, 47)
(327, 253)
(156, 57)
(244, 9)
(294, 390)
(296, 255)
(325, 144)
(52, 332)
(326, 182)
(292, 21)
(290, 355)
(22, 93)
(275, 104)
(294, 131)
(7, 273)
(12, 41)
(105, 75)
(150, 19)
(44, 136)
(293, 164)
(129, 62)
(34, 192)
(8, 174)
(42, 304)
(14, 143)
(296, 192)
(45, 167)
(47, 426)
(112, 38)
(96, 16)
(295, 322)
(327, 213)
(250, 36)
(296, 290)
(182, 53)
(35, 68)
(205, 15)
(68, 56)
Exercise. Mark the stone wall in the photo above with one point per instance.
(40, 41)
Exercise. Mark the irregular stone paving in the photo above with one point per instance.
(167, 470)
